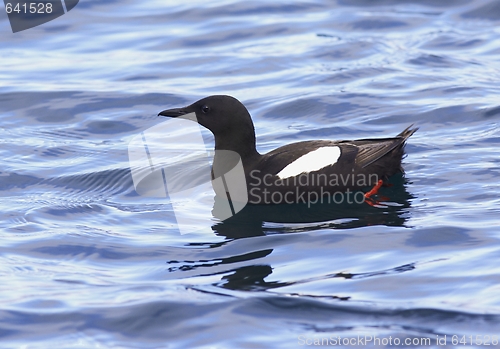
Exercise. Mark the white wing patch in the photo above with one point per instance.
(311, 161)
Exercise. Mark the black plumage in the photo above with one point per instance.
(233, 129)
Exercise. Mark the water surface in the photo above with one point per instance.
(87, 262)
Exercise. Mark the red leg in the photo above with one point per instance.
(374, 189)
(368, 196)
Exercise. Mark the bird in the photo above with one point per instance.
(301, 172)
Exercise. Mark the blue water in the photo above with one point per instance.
(86, 262)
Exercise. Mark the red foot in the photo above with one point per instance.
(368, 196)
(374, 189)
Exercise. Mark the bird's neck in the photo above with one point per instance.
(243, 144)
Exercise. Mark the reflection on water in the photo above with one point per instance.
(255, 220)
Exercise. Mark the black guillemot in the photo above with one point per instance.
(319, 167)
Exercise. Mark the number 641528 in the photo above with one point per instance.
(32, 7)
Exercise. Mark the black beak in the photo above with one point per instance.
(173, 113)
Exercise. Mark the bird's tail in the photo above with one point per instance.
(407, 132)
(405, 135)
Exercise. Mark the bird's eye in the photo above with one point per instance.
(205, 109)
